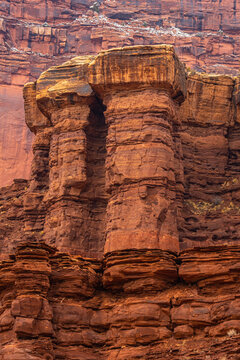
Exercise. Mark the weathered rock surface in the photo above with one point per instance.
(125, 159)
(130, 147)
(134, 160)
(211, 161)
(142, 162)
(11, 216)
(57, 306)
(36, 34)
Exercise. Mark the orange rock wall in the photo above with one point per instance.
(150, 154)
(136, 304)
(124, 160)
(211, 161)
(134, 159)
(36, 34)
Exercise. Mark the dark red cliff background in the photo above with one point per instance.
(37, 34)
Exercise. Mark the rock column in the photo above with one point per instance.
(66, 98)
(141, 88)
(40, 125)
(67, 209)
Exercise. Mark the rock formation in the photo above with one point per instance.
(126, 130)
(53, 305)
(36, 34)
(134, 160)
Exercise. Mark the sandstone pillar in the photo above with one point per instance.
(68, 101)
(40, 125)
(74, 197)
(141, 88)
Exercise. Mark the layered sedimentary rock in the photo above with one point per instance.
(137, 149)
(142, 164)
(83, 176)
(36, 34)
(107, 145)
(11, 215)
(211, 161)
(77, 134)
(134, 160)
(55, 306)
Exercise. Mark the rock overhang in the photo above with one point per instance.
(124, 69)
(146, 66)
(155, 66)
(137, 85)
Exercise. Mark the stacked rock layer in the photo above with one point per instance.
(130, 147)
(126, 238)
(35, 34)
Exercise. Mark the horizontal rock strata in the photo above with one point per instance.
(125, 242)
(36, 34)
(129, 147)
(133, 305)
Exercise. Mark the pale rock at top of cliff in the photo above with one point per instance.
(143, 66)
(116, 67)
(33, 116)
(64, 83)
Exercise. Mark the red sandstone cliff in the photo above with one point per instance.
(126, 130)
(123, 143)
(36, 34)
(55, 306)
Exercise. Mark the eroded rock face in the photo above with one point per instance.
(211, 161)
(130, 147)
(134, 160)
(11, 216)
(142, 157)
(37, 34)
(57, 306)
